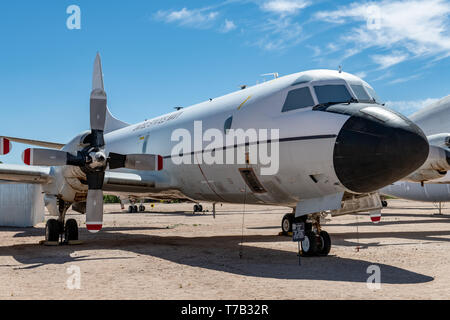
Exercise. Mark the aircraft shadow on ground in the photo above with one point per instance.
(220, 253)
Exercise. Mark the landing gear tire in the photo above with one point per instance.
(325, 243)
(198, 208)
(71, 230)
(286, 223)
(141, 208)
(384, 203)
(309, 244)
(52, 230)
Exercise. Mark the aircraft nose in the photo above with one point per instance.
(377, 147)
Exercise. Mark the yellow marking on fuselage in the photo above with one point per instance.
(242, 104)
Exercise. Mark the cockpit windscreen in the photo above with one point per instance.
(360, 93)
(332, 93)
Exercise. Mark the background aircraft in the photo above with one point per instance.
(434, 120)
(337, 146)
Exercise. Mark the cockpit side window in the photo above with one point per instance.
(332, 93)
(298, 98)
(373, 94)
(360, 93)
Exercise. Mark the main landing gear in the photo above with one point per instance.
(317, 242)
(135, 208)
(59, 230)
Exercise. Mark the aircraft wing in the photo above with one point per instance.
(45, 144)
(24, 174)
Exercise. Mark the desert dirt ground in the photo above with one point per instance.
(169, 253)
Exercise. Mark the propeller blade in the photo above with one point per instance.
(98, 105)
(146, 162)
(94, 201)
(97, 77)
(5, 146)
(94, 211)
(44, 157)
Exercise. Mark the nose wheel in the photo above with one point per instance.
(317, 242)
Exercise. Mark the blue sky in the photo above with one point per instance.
(161, 54)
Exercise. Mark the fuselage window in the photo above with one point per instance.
(298, 98)
(227, 125)
(332, 93)
(360, 93)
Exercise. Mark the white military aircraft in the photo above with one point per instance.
(330, 141)
(432, 185)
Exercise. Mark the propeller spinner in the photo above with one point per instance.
(92, 159)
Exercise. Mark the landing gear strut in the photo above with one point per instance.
(59, 230)
(317, 242)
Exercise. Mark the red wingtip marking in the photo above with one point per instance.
(160, 163)
(26, 156)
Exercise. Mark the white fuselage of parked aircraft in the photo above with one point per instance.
(301, 141)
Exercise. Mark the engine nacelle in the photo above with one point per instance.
(422, 175)
(436, 165)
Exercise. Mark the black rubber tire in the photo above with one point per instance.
(135, 209)
(384, 203)
(325, 243)
(142, 208)
(309, 244)
(196, 208)
(71, 230)
(130, 209)
(200, 208)
(52, 230)
(286, 223)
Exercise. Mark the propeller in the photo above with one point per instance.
(92, 159)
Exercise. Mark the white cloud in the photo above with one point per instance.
(411, 106)
(386, 61)
(196, 18)
(405, 79)
(228, 26)
(284, 7)
(280, 34)
(417, 28)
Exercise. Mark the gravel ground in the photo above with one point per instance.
(169, 253)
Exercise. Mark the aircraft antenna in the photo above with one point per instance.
(357, 234)
(241, 246)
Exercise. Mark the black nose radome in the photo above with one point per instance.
(377, 147)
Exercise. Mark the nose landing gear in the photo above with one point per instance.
(317, 242)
